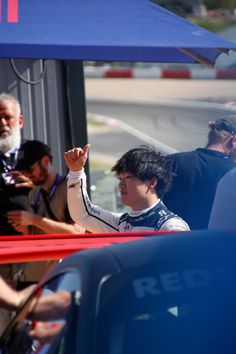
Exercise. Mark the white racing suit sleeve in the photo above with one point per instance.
(91, 217)
(174, 224)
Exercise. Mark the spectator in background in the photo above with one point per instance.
(197, 173)
(47, 205)
(144, 177)
(14, 186)
(12, 195)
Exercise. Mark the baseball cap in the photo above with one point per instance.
(30, 152)
(227, 124)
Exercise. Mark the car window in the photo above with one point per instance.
(43, 319)
(166, 312)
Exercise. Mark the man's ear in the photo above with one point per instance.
(232, 148)
(231, 142)
(21, 121)
(153, 182)
(45, 160)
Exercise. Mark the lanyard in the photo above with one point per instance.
(35, 205)
(54, 186)
(8, 162)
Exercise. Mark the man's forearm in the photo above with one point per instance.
(55, 227)
(11, 299)
(50, 307)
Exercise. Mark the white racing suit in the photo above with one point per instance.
(95, 219)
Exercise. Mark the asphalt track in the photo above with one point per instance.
(172, 115)
(221, 91)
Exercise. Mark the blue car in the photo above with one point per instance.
(166, 294)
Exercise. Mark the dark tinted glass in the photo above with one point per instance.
(165, 311)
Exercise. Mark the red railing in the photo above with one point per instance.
(44, 247)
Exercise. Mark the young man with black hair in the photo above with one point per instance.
(197, 173)
(144, 177)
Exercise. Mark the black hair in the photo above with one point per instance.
(145, 163)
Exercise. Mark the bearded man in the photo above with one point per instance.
(14, 186)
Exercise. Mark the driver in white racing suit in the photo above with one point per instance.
(144, 177)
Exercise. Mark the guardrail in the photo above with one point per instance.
(159, 73)
(29, 248)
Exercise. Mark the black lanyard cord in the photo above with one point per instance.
(46, 198)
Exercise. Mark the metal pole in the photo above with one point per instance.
(77, 107)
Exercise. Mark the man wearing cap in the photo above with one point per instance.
(197, 173)
(47, 202)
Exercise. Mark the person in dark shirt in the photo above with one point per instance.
(197, 173)
(14, 187)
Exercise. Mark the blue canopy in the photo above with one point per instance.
(106, 30)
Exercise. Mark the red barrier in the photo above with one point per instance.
(116, 73)
(27, 248)
(226, 73)
(175, 74)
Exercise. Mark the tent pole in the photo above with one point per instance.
(77, 107)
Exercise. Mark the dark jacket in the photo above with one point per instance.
(197, 174)
(11, 198)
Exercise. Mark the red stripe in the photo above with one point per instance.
(27, 248)
(229, 73)
(125, 73)
(175, 74)
(12, 11)
(36, 250)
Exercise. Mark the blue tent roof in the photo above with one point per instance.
(118, 30)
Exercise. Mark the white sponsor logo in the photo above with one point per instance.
(171, 282)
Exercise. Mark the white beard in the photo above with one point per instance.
(11, 141)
